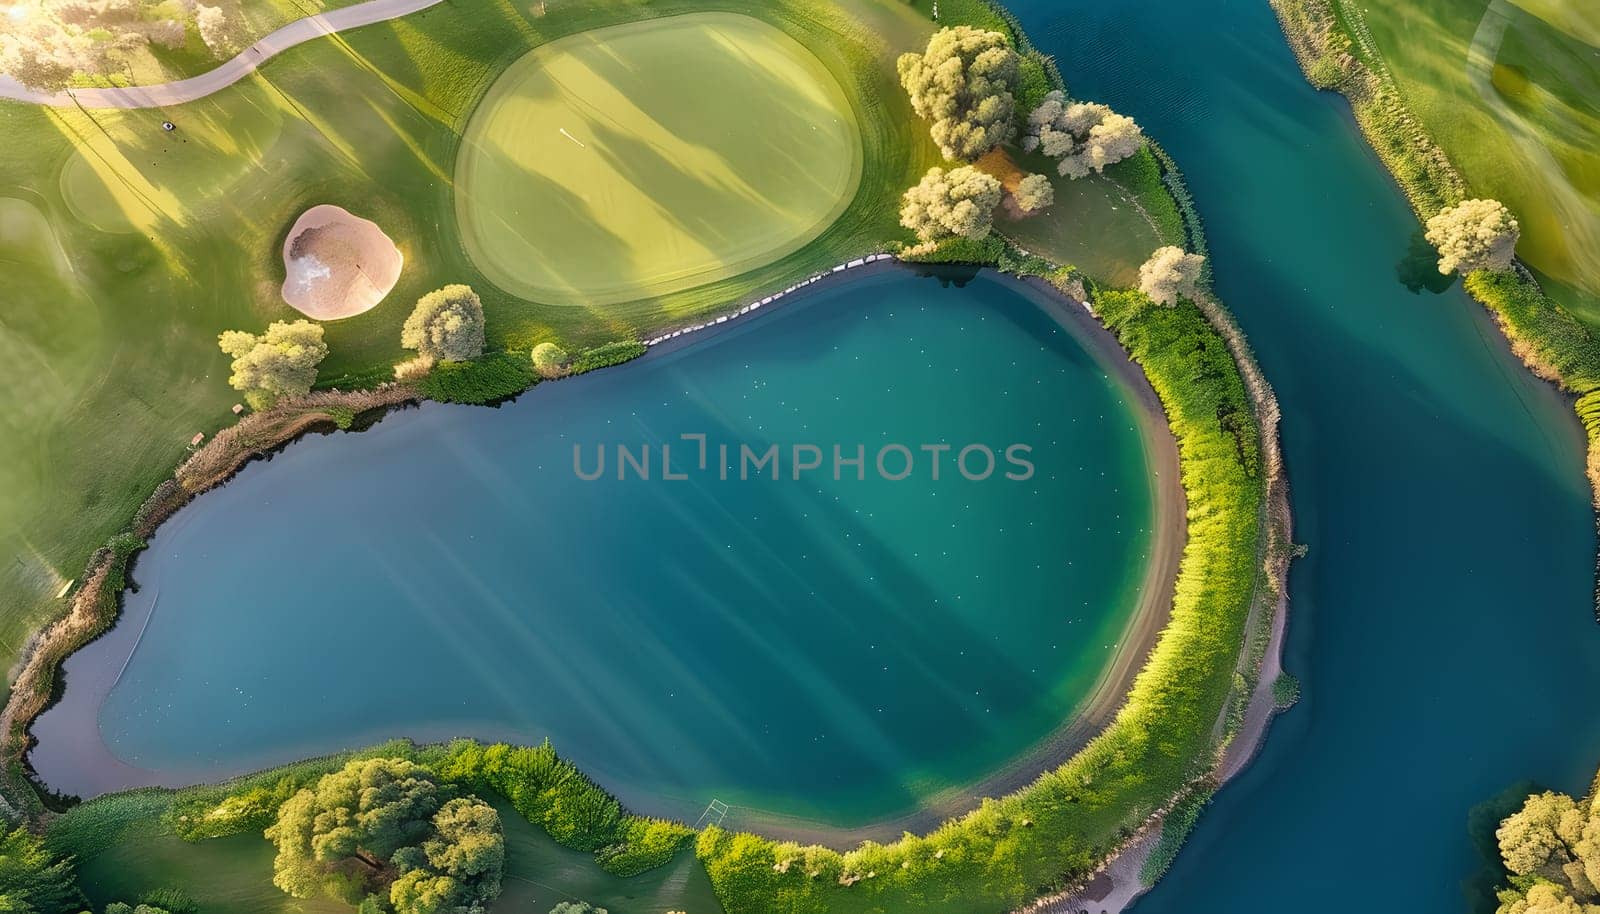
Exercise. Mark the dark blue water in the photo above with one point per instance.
(1442, 623)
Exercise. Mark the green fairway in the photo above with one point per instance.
(595, 172)
(1510, 89)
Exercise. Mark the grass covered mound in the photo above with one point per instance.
(1050, 833)
(597, 169)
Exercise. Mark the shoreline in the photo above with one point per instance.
(1116, 883)
(1087, 718)
(1542, 335)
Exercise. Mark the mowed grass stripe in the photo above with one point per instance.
(650, 157)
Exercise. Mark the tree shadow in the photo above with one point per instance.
(1418, 270)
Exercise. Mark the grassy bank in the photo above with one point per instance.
(1168, 734)
(207, 841)
(1329, 39)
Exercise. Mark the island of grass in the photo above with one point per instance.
(198, 212)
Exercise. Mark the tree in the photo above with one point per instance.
(446, 325)
(959, 202)
(576, 907)
(217, 29)
(1084, 136)
(388, 822)
(279, 363)
(550, 360)
(1474, 235)
(1545, 898)
(46, 42)
(962, 85)
(34, 881)
(1034, 193)
(1171, 274)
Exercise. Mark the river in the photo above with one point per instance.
(1442, 624)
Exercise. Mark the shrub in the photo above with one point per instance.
(550, 360)
(489, 379)
(604, 356)
(1285, 690)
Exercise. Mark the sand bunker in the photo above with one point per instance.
(337, 264)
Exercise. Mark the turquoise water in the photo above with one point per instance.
(834, 649)
(1442, 624)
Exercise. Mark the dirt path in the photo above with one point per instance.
(243, 64)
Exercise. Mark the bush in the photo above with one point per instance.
(607, 355)
(550, 360)
(494, 377)
(550, 791)
(1175, 829)
(1285, 690)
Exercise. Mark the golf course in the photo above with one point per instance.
(760, 696)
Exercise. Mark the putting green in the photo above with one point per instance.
(646, 158)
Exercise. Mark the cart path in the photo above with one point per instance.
(241, 65)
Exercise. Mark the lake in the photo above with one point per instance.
(839, 650)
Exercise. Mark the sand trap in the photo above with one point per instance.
(337, 264)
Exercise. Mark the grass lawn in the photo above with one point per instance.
(1511, 90)
(594, 172)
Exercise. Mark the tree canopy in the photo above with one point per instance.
(1171, 274)
(1034, 193)
(386, 827)
(446, 325)
(46, 42)
(962, 85)
(1084, 136)
(34, 881)
(279, 363)
(1474, 235)
(958, 202)
(1551, 848)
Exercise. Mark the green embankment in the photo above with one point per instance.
(1336, 50)
(1051, 833)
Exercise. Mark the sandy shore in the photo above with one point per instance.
(1116, 885)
